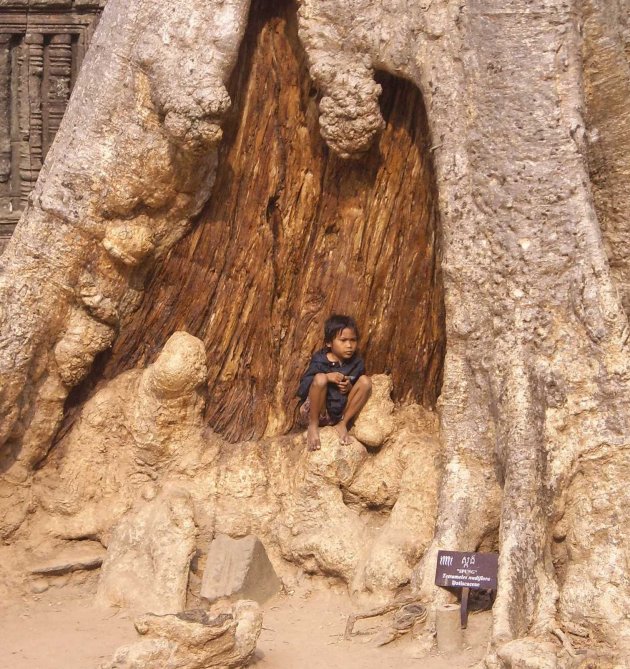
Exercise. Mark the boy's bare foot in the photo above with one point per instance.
(342, 433)
(312, 438)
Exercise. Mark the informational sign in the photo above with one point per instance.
(457, 569)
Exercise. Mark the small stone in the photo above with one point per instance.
(39, 585)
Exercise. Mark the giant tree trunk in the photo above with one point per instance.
(527, 141)
(293, 233)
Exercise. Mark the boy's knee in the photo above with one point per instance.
(365, 382)
(320, 381)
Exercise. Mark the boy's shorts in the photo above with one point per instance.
(324, 419)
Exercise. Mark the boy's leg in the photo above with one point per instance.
(317, 397)
(357, 398)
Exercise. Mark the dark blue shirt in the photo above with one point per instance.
(320, 364)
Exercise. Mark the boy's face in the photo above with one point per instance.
(344, 345)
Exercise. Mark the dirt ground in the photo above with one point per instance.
(61, 629)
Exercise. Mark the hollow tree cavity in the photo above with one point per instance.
(292, 233)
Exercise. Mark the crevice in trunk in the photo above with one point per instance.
(606, 75)
(293, 233)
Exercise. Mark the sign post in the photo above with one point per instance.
(465, 570)
(463, 615)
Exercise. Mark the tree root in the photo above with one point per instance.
(409, 611)
(564, 639)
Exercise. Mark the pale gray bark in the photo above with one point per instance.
(536, 370)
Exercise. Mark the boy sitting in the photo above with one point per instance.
(334, 388)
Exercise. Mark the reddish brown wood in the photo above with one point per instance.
(293, 233)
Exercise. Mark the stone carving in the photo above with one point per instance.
(59, 84)
(40, 55)
(5, 108)
(31, 72)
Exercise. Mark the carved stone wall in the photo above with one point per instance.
(42, 45)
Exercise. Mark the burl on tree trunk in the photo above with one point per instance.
(526, 140)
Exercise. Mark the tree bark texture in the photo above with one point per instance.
(293, 233)
(606, 59)
(134, 161)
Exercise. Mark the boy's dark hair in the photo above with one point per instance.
(336, 323)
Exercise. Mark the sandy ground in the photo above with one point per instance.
(307, 632)
(60, 629)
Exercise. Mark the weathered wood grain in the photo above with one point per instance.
(293, 233)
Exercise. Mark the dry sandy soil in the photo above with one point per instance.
(61, 629)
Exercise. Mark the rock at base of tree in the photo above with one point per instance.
(193, 639)
(77, 557)
(238, 568)
(38, 586)
(148, 558)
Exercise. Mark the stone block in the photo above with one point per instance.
(238, 569)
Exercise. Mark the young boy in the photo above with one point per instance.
(334, 388)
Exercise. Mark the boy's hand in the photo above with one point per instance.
(345, 386)
(335, 377)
